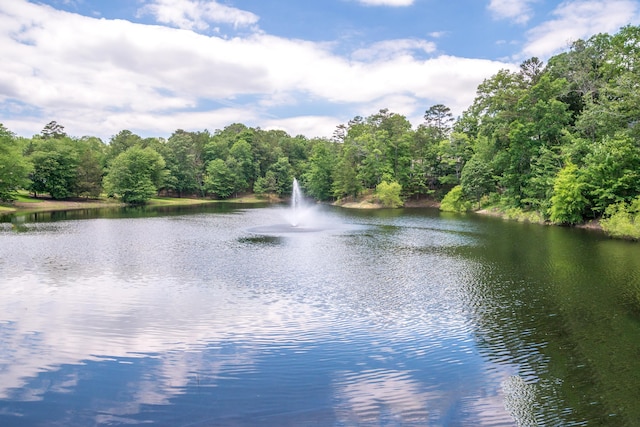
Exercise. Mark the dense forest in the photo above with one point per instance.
(558, 142)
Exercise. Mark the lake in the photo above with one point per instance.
(222, 315)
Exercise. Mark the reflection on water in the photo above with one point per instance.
(383, 318)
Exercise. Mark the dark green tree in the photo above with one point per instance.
(53, 130)
(282, 172)
(612, 172)
(183, 154)
(91, 153)
(220, 179)
(477, 178)
(318, 178)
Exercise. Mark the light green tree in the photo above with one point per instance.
(135, 175)
(568, 202)
(389, 194)
(454, 201)
(55, 171)
(14, 167)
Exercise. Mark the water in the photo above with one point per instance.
(215, 316)
(297, 203)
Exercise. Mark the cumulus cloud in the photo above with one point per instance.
(196, 14)
(579, 19)
(99, 76)
(519, 11)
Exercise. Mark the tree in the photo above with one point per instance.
(282, 173)
(89, 169)
(244, 165)
(219, 179)
(53, 130)
(120, 143)
(135, 175)
(266, 184)
(568, 202)
(55, 167)
(389, 194)
(318, 178)
(439, 119)
(345, 176)
(184, 163)
(454, 201)
(477, 178)
(14, 167)
(612, 171)
(531, 70)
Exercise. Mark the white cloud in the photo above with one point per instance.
(438, 34)
(519, 11)
(196, 14)
(312, 126)
(579, 19)
(393, 3)
(99, 76)
(389, 49)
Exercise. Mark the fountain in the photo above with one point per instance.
(300, 217)
(297, 204)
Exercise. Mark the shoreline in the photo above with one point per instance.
(29, 205)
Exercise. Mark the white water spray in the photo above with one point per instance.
(296, 203)
(301, 216)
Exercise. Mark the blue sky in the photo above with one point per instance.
(153, 66)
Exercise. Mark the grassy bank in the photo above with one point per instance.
(28, 204)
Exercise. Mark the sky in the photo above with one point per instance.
(304, 66)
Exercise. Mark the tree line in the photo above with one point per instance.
(559, 140)
(236, 160)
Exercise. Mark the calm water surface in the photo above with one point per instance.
(223, 317)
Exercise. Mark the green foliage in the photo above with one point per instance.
(612, 171)
(477, 178)
(318, 178)
(219, 179)
(135, 175)
(120, 143)
(183, 154)
(53, 130)
(89, 174)
(623, 220)
(454, 201)
(282, 172)
(14, 167)
(243, 165)
(345, 179)
(568, 202)
(266, 184)
(55, 167)
(389, 194)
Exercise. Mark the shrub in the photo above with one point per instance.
(622, 220)
(454, 201)
(389, 194)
